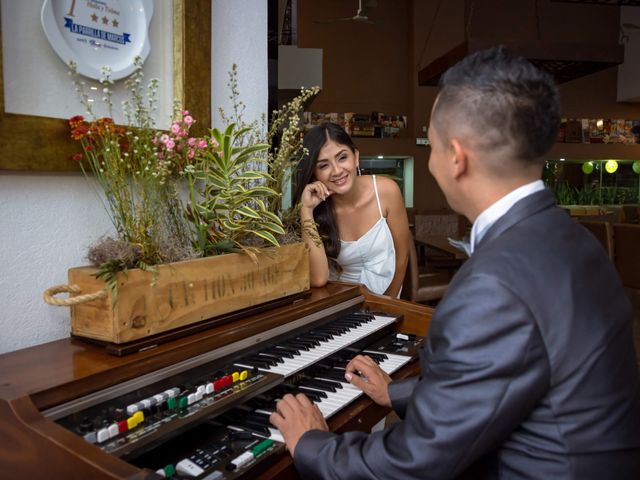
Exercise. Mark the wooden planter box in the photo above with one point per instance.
(182, 293)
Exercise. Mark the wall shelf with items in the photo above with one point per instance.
(367, 125)
(597, 139)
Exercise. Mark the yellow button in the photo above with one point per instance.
(243, 375)
(132, 422)
(139, 416)
(235, 376)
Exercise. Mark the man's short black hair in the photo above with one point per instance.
(509, 105)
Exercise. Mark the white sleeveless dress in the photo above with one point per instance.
(370, 260)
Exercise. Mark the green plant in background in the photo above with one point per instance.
(593, 195)
(228, 199)
(284, 137)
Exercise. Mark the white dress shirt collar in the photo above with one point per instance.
(492, 214)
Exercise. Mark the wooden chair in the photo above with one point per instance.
(603, 231)
(422, 287)
(626, 238)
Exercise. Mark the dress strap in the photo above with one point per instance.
(375, 187)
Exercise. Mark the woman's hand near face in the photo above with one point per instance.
(313, 194)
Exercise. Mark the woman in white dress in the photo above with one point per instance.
(361, 220)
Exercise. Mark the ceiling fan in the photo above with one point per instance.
(361, 15)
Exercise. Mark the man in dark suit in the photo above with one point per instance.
(529, 369)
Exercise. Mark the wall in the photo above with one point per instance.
(629, 72)
(48, 220)
(239, 35)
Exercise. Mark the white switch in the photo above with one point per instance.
(187, 467)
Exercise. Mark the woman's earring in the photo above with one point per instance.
(358, 171)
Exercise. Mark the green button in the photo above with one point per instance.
(169, 470)
(171, 403)
(183, 402)
(261, 447)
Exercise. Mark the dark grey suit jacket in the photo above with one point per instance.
(529, 370)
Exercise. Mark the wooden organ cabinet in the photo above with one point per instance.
(197, 406)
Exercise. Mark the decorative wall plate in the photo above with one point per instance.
(99, 33)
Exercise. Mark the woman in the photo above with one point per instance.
(361, 219)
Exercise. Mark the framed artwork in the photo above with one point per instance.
(34, 143)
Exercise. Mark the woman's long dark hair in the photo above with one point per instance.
(324, 213)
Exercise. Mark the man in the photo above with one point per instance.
(529, 369)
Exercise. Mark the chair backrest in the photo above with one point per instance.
(603, 231)
(626, 239)
(437, 224)
(422, 287)
(411, 278)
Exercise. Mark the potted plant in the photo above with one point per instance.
(165, 267)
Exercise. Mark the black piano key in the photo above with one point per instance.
(278, 352)
(298, 345)
(262, 431)
(309, 339)
(266, 359)
(331, 383)
(314, 396)
(347, 323)
(260, 419)
(314, 391)
(307, 343)
(331, 374)
(255, 363)
(322, 333)
(318, 336)
(319, 384)
(364, 316)
(262, 404)
(376, 357)
(271, 357)
(287, 348)
(337, 330)
(245, 422)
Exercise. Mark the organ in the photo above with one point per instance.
(198, 406)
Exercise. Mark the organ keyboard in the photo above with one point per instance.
(198, 407)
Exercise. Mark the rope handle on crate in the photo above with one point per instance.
(77, 300)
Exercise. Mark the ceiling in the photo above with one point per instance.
(564, 61)
(568, 38)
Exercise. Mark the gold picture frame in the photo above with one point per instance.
(32, 143)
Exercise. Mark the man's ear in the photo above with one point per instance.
(460, 158)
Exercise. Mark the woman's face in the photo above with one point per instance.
(336, 167)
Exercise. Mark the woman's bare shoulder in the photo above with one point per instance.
(387, 186)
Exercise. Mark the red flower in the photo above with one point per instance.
(76, 121)
(77, 157)
(79, 132)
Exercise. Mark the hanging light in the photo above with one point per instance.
(611, 166)
(636, 166)
(587, 167)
